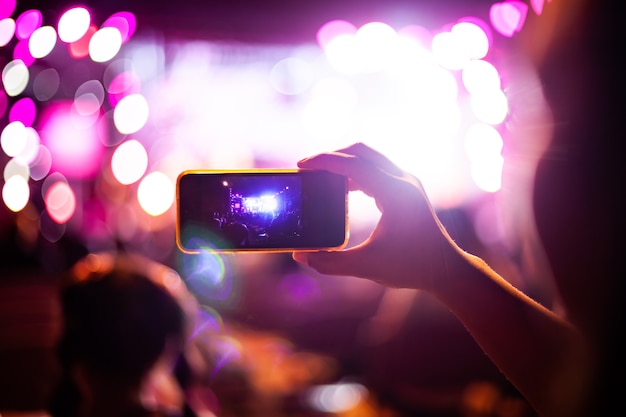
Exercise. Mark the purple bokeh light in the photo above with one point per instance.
(24, 110)
(125, 22)
(27, 23)
(7, 7)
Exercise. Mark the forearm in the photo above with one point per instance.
(540, 353)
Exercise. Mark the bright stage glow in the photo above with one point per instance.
(267, 203)
(431, 99)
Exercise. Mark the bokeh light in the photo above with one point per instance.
(27, 22)
(80, 48)
(13, 138)
(22, 52)
(336, 398)
(508, 17)
(124, 22)
(60, 201)
(16, 167)
(7, 7)
(31, 147)
(15, 193)
(105, 44)
(23, 110)
(15, 76)
(129, 162)
(88, 98)
(7, 30)
(131, 114)
(42, 42)
(156, 193)
(73, 24)
(490, 106)
(291, 76)
(41, 164)
(75, 142)
(330, 30)
(479, 76)
(46, 84)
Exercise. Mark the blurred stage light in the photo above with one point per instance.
(431, 99)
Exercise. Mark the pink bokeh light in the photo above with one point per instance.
(75, 142)
(23, 110)
(125, 22)
(22, 51)
(508, 17)
(4, 102)
(60, 202)
(123, 85)
(7, 7)
(332, 29)
(27, 23)
(80, 48)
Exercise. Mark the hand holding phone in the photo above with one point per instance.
(261, 210)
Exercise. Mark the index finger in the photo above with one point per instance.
(365, 174)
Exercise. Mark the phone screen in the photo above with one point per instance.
(261, 210)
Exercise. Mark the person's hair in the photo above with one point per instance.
(117, 321)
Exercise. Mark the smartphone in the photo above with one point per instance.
(261, 210)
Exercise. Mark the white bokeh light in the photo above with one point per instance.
(490, 106)
(472, 39)
(129, 162)
(13, 138)
(482, 142)
(156, 193)
(42, 41)
(16, 167)
(74, 24)
(131, 114)
(487, 175)
(105, 44)
(7, 30)
(15, 76)
(479, 76)
(16, 193)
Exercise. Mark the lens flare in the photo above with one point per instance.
(208, 274)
